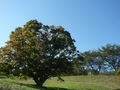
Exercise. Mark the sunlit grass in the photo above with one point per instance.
(100, 82)
(8, 85)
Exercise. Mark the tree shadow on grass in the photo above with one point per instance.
(54, 88)
(117, 89)
(42, 88)
(35, 86)
(2, 77)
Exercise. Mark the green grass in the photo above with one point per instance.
(100, 82)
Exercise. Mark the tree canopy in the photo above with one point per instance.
(39, 51)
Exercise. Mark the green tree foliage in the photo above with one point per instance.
(111, 54)
(39, 51)
(3, 65)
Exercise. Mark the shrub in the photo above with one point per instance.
(23, 77)
(118, 72)
(11, 76)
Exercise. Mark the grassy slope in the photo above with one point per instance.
(100, 82)
(87, 82)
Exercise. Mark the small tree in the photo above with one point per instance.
(39, 51)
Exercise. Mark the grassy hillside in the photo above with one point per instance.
(100, 82)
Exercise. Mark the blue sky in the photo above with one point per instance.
(92, 23)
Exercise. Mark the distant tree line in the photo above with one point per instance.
(104, 60)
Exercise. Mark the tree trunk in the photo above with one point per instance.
(39, 80)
